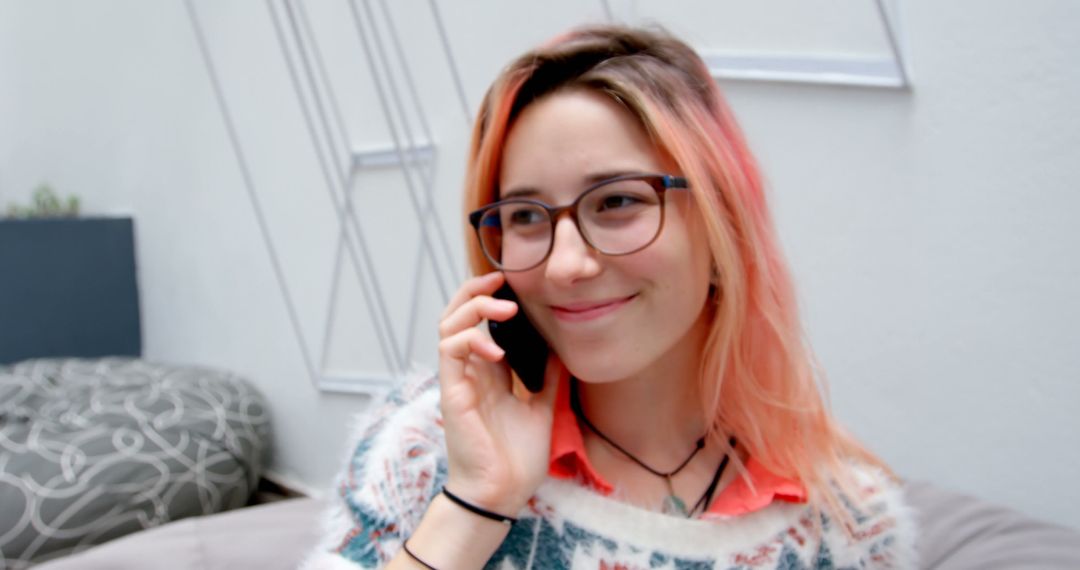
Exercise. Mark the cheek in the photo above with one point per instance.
(523, 282)
(679, 258)
(527, 285)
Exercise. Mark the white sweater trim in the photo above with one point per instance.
(647, 529)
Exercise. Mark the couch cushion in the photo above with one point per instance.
(91, 450)
(960, 531)
(275, 536)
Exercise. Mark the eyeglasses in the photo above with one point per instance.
(617, 216)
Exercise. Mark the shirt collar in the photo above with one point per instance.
(757, 490)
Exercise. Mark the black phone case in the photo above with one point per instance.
(526, 350)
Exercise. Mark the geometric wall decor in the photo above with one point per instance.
(884, 70)
(801, 41)
(362, 333)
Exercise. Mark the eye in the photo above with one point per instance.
(524, 216)
(616, 201)
(620, 198)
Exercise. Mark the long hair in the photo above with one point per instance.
(758, 377)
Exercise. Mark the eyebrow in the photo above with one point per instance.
(589, 180)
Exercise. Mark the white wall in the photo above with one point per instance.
(931, 231)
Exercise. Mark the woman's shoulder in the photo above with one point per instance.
(876, 526)
(396, 463)
(401, 436)
(413, 402)
(874, 497)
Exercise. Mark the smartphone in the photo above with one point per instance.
(526, 350)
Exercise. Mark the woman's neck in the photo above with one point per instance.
(656, 414)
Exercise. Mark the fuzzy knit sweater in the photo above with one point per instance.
(398, 464)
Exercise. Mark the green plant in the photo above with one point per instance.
(46, 204)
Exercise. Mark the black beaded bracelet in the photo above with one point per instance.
(477, 510)
(405, 547)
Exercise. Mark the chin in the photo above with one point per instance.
(597, 366)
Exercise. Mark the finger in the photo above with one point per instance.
(468, 341)
(482, 285)
(475, 310)
(454, 352)
(488, 376)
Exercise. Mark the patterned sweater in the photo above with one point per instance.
(398, 465)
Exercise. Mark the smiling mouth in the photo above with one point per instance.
(578, 312)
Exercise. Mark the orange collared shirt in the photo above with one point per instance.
(569, 461)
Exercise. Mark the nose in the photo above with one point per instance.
(571, 259)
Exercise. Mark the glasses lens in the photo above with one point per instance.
(621, 217)
(515, 235)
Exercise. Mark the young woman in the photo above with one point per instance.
(679, 423)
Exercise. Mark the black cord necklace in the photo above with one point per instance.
(672, 503)
(707, 497)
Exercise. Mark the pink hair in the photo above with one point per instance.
(758, 375)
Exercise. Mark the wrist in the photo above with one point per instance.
(451, 537)
(505, 502)
(478, 510)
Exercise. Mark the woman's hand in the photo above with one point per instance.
(497, 442)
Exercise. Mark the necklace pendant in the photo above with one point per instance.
(674, 506)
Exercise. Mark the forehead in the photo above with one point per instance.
(565, 139)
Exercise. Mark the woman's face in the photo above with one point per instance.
(608, 317)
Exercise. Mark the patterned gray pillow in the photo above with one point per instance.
(91, 450)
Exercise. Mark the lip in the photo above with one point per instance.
(589, 310)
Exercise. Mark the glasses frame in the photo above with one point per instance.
(661, 183)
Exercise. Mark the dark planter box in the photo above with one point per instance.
(67, 288)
